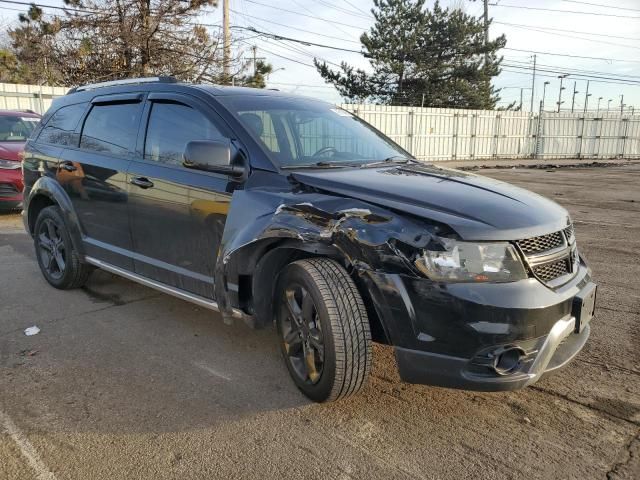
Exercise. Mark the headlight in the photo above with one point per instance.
(471, 262)
(9, 164)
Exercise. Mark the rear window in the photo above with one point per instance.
(111, 128)
(16, 129)
(60, 128)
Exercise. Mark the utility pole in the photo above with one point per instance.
(486, 29)
(573, 99)
(254, 50)
(586, 97)
(533, 82)
(521, 99)
(561, 77)
(226, 48)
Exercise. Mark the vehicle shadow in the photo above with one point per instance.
(141, 361)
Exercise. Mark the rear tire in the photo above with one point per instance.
(324, 330)
(58, 260)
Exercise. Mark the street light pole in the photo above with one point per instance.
(598, 111)
(609, 104)
(621, 103)
(573, 99)
(586, 98)
(561, 77)
(544, 92)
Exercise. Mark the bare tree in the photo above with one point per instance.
(111, 39)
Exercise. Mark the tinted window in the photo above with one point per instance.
(307, 132)
(111, 128)
(171, 127)
(60, 128)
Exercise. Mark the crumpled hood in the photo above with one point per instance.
(11, 150)
(476, 207)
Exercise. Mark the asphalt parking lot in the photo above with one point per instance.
(124, 382)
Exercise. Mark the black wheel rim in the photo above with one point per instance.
(51, 249)
(302, 334)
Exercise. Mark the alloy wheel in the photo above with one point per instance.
(51, 249)
(302, 333)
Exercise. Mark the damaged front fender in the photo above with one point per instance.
(268, 228)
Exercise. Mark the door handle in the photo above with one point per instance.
(68, 166)
(141, 182)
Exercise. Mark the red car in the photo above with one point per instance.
(15, 128)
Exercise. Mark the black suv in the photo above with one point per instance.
(271, 207)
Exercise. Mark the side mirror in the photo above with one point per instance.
(212, 156)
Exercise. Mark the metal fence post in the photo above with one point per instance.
(625, 123)
(474, 133)
(410, 130)
(496, 134)
(455, 135)
(581, 136)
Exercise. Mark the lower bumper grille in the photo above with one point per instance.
(8, 190)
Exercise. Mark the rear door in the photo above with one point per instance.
(177, 215)
(94, 175)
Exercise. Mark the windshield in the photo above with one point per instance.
(17, 129)
(299, 132)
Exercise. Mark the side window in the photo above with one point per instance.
(111, 128)
(60, 128)
(171, 127)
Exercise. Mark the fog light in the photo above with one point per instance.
(508, 360)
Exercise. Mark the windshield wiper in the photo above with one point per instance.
(398, 159)
(322, 164)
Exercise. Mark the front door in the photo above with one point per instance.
(94, 176)
(177, 214)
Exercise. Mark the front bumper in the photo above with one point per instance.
(448, 334)
(11, 187)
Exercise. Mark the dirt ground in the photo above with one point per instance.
(124, 382)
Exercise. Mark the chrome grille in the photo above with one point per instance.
(541, 243)
(551, 271)
(568, 232)
(551, 256)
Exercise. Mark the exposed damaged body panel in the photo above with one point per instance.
(364, 236)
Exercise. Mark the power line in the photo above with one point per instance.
(564, 30)
(577, 70)
(572, 56)
(602, 79)
(294, 28)
(601, 5)
(344, 10)
(303, 42)
(305, 15)
(579, 38)
(357, 8)
(562, 11)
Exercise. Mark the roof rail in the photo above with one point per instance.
(124, 81)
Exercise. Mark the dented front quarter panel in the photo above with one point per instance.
(265, 214)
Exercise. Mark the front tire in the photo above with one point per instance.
(59, 262)
(324, 330)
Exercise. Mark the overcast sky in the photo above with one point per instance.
(329, 22)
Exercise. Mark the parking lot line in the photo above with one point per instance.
(213, 372)
(27, 450)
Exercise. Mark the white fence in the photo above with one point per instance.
(28, 97)
(450, 134)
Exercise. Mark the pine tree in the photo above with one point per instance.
(436, 57)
